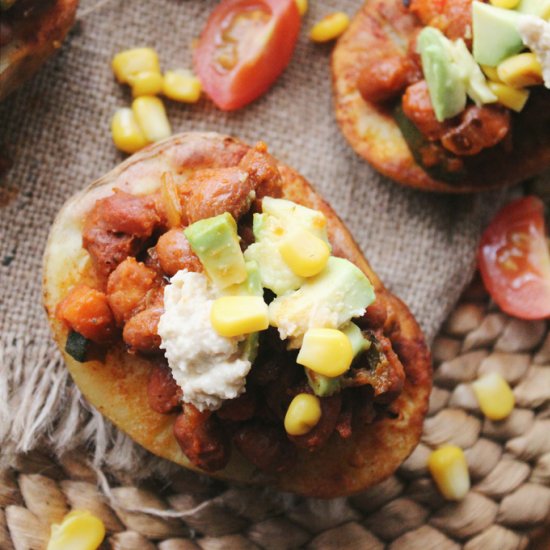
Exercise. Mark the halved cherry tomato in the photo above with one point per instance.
(514, 260)
(244, 47)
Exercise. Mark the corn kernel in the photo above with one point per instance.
(237, 315)
(490, 72)
(521, 70)
(182, 85)
(127, 135)
(330, 27)
(302, 7)
(326, 351)
(506, 4)
(146, 83)
(151, 117)
(305, 253)
(79, 530)
(303, 414)
(509, 97)
(449, 469)
(494, 396)
(128, 63)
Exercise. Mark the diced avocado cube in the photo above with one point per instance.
(328, 300)
(216, 243)
(540, 8)
(279, 218)
(476, 83)
(250, 346)
(251, 286)
(323, 386)
(444, 78)
(495, 34)
(358, 342)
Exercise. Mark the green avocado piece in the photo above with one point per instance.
(330, 299)
(252, 286)
(444, 78)
(279, 218)
(358, 342)
(495, 34)
(540, 8)
(216, 243)
(323, 386)
(476, 83)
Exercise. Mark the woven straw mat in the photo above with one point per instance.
(56, 131)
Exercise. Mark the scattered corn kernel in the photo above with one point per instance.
(509, 97)
(521, 70)
(127, 135)
(449, 469)
(182, 85)
(326, 351)
(490, 72)
(237, 315)
(302, 7)
(506, 4)
(146, 83)
(330, 27)
(151, 117)
(128, 63)
(494, 396)
(79, 530)
(303, 414)
(305, 253)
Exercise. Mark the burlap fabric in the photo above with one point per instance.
(56, 130)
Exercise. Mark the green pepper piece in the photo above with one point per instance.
(417, 142)
(77, 346)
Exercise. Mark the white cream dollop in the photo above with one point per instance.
(535, 33)
(206, 366)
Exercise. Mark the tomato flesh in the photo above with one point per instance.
(244, 47)
(514, 260)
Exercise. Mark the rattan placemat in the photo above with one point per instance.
(509, 463)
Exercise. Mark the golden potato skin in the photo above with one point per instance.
(117, 385)
(34, 39)
(386, 25)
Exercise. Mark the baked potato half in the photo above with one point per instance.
(31, 31)
(387, 27)
(115, 382)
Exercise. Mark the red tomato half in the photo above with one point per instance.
(244, 47)
(515, 262)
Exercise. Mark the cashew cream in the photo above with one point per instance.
(535, 33)
(208, 367)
